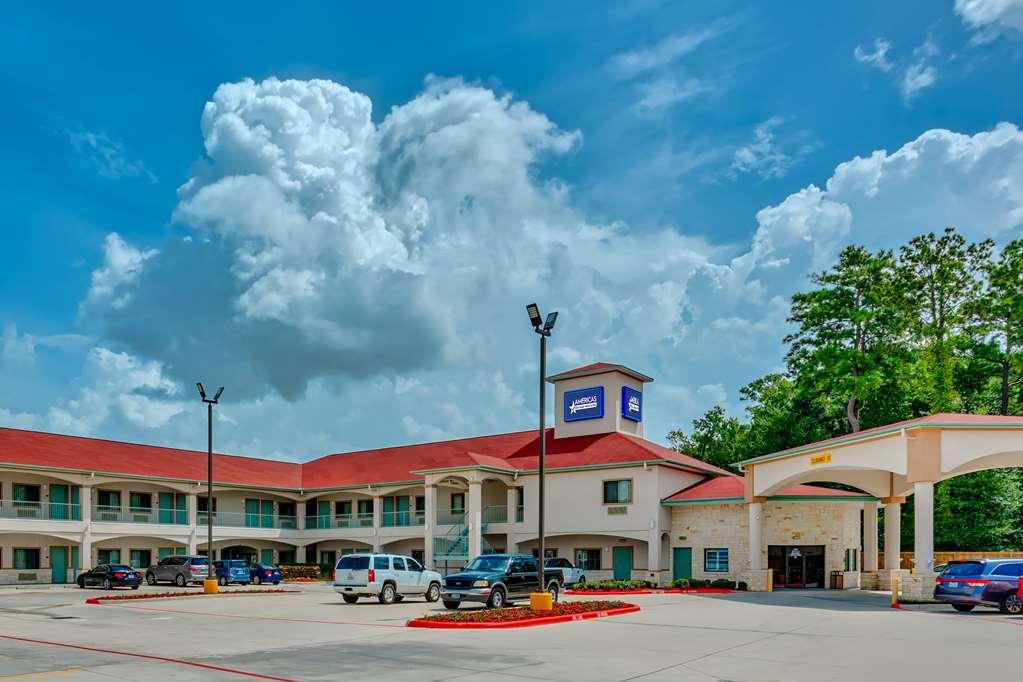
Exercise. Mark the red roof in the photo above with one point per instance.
(949, 419)
(510, 451)
(732, 487)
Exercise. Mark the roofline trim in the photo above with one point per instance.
(611, 367)
(771, 498)
(860, 437)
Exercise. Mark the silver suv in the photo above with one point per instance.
(388, 577)
(179, 570)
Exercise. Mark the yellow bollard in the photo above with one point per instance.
(541, 601)
(770, 580)
(210, 586)
(896, 588)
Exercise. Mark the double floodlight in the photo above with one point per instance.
(202, 393)
(541, 326)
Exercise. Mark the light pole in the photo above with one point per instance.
(210, 402)
(544, 329)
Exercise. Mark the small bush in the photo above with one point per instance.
(742, 586)
(312, 571)
(606, 585)
(723, 583)
(680, 584)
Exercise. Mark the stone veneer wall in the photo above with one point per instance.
(711, 526)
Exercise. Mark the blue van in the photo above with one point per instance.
(232, 571)
(984, 582)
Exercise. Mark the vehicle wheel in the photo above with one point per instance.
(258, 580)
(246, 583)
(350, 598)
(134, 587)
(582, 579)
(451, 604)
(107, 585)
(81, 583)
(222, 580)
(496, 600)
(554, 590)
(179, 580)
(1011, 604)
(388, 594)
(433, 594)
(277, 582)
(963, 607)
(150, 579)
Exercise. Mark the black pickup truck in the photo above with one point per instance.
(497, 580)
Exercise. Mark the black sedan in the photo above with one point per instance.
(109, 576)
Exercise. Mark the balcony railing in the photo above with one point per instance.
(340, 521)
(450, 518)
(127, 514)
(49, 511)
(402, 518)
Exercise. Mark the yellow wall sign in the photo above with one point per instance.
(820, 459)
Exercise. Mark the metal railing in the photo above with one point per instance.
(497, 513)
(402, 519)
(50, 511)
(340, 521)
(112, 514)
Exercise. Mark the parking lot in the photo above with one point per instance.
(312, 635)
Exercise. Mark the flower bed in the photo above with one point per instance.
(562, 612)
(163, 595)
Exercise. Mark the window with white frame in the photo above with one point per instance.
(715, 560)
(587, 559)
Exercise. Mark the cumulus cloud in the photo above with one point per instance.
(122, 265)
(766, 155)
(354, 284)
(990, 18)
(106, 156)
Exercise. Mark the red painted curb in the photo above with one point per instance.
(101, 601)
(677, 590)
(896, 606)
(527, 623)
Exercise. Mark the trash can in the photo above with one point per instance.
(837, 580)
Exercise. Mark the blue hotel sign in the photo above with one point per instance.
(632, 404)
(584, 403)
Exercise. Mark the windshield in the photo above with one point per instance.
(488, 563)
(965, 568)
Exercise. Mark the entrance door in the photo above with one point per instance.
(682, 563)
(59, 502)
(622, 562)
(58, 565)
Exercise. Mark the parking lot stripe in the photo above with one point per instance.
(48, 673)
(271, 618)
(151, 657)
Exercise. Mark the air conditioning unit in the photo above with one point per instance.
(617, 510)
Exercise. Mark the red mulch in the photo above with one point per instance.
(159, 595)
(524, 616)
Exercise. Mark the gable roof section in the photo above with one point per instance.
(730, 489)
(943, 420)
(599, 368)
(80, 454)
(509, 452)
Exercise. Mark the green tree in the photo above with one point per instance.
(940, 278)
(716, 438)
(998, 314)
(845, 344)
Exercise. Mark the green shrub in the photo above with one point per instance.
(723, 583)
(606, 585)
(680, 583)
(742, 586)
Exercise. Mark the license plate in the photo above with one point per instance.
(454, 595)
(953, 585)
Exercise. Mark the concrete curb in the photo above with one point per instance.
(526, 623)
(692, 590)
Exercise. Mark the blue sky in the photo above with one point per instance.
(666, 174)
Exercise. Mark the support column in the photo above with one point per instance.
(923, 527)
(512, 502)
(870, 537)
(85, 545)
(474, 509)
(653, 554)
(300, 554)
(756, 535)
(300, 516)
(429, 523)
(378, 515)
(892, 536)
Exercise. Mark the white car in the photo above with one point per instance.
(388, 577)
(572, 574)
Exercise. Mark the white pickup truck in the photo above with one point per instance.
(572, 574)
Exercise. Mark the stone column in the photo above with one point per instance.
(300, 554)
(474, 516)
(378, 521)
(892, 535)
(300, 515)
(653, 553)
(923, 527)
(756, 535)
(430, 491)
(869, 537)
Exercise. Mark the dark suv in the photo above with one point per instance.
(987, 582)
(498, 579)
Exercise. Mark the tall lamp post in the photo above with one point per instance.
(543, 328)
(210, 402)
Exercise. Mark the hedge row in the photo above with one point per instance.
(606, 585)
(723, 583)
